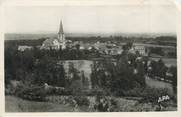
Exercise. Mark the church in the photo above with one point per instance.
(55, 43)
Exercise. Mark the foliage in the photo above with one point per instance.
(119, 76)
(95, 92)
(158, 69)
(127, 46)
(15, 104)
(173, 71)
(108, 77)
(82, 100)
(152, 94)
(157, 50)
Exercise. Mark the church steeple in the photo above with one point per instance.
(61, 36)
(61, 28)
(56, 43)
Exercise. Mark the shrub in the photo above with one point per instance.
(152, 94)
(82, 100)
(55, 91)
(136, 92)
(95, 92)
(36, 93)
(32, 96)
(106, 104)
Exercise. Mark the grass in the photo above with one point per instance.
(159, 84)
(125, 105)
(15, 104)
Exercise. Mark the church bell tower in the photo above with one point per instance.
(61, 36)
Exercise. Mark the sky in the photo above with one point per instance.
(91, 19)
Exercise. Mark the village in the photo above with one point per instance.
(77, 73)
(110, 49)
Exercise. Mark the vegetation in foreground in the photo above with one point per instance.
(27, 72)
(85, 104)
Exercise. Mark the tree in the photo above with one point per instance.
(157, 50)
(94, 68)
(140, 76)
(158, 68)
(117, 78)
(162, 69)
(173, 71)
(127, 46)
(48, 71)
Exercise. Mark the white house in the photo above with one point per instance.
(24, 47)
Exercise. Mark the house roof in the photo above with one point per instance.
(49, 42)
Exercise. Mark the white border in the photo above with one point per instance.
(85, 3)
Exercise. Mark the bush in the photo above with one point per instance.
(95, 92)
(82, 100)
(136, 92)
(36, 93)
(147, 94)
(152, 94)
(32, 96)
(106, 104)
(55, 91)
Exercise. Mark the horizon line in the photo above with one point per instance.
(99, 33)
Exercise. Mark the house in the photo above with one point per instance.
(24, 47)
(141, 49)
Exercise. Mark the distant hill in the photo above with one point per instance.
(11, 36)
(16, 36)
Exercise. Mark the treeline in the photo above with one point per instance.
(160, 40)
(31, 72)
(158, 70)
(38, 64)
(36, 67)
(16, 43)
(122, 77)
(118, 78)
(169, 53)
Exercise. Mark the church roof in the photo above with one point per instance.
(49, 42)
